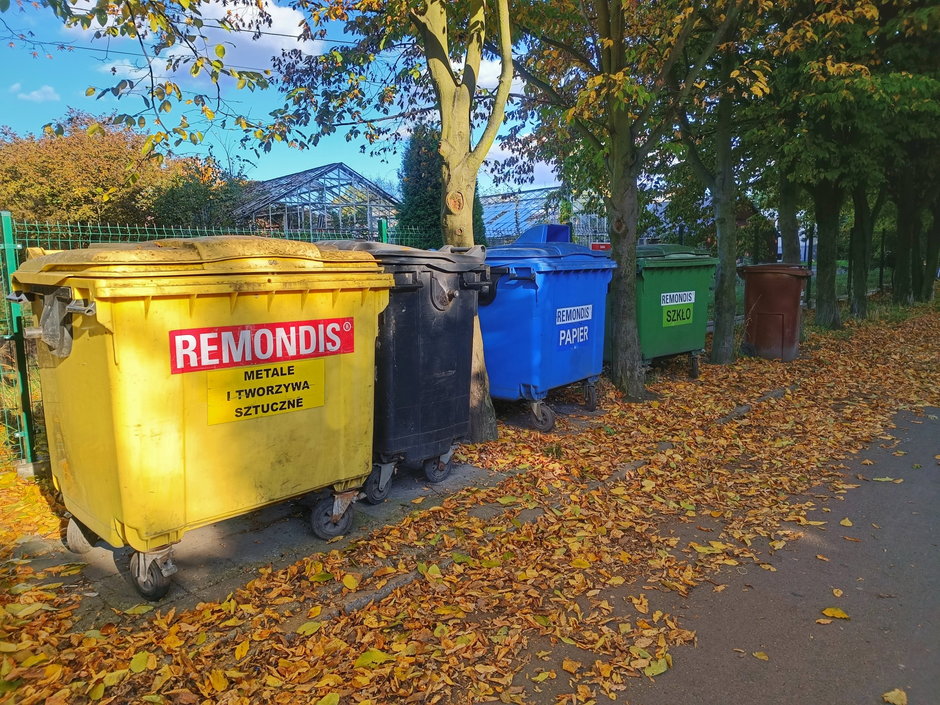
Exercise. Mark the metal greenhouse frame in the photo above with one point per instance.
(326, 197)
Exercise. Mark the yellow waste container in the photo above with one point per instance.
(186, 381)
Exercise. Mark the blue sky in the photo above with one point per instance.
(41, 81)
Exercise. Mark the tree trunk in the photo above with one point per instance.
(827, 198)
(457, 223)
(933, 254)
(904, 200)
(789, 225)
(917, 259)
(626, 365)
(862, 230)
(723, 197)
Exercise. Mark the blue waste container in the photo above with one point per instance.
(543, 319)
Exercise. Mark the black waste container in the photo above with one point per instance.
(422, 357)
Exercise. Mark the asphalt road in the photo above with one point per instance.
(890, 578)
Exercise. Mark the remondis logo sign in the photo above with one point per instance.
(196, 349)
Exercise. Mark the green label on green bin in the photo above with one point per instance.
(677, 307)
(678, 315)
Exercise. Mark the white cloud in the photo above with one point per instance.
(489, 76)
(43, 94)
(15, 88)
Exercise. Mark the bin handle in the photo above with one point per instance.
(412, 285)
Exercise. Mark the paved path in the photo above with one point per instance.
(890, 579)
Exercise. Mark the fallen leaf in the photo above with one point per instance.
(351, 581)
(218, 680)
(331, 699)
(570, 665)
(761, 655)
(823, 621)
(837, 592)
(895, 697)
(418, 500)
(241, 650)
(656, 667)
(822, 557)
(139, 609)
(846, 522)
(544, 675)
(308, 628)
(868, 462)
(883, 479)
(373, 657)
(139, 661)
(835, 612)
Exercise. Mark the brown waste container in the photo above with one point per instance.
(772, 294)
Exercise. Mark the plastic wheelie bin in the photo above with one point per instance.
(422, 357)
(772, 312)
(188, 381)
(543, 318)
(672, 293)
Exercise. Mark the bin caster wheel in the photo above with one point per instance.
(543, 418)
(151, 583)
(371, 488)
(590, 396)
(322, 520)
(78, 537)
(437, 469)
(693, 367)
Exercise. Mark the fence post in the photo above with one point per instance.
(383, 230)
(10, 261)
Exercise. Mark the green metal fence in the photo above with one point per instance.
(16, 393)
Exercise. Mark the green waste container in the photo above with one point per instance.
(672, 293)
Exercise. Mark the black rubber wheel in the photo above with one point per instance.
(543, 418)
(78, 537)
(693, 367)
(321, 520)
(436, 470)
(590, 396)
(156, 586)
(373, 495)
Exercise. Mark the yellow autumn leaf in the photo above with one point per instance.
(218, 680)
(760, 655)
(139, 609)
(544, 675)
(308, 628)
(822, 557)
(846, 522)
(837, 592)
(241, 650)
(351, 581)
(895, 697)
(418, 500)
(823, 621)
(331, 699)
(580, 563)
(570, 665)
(139, 661)
(835, 612)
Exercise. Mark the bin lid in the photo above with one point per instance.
(548, 257)
(218, 255)
(794, 270)
(446, 259)
(670, 255)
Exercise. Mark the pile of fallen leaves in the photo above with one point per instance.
(458, 603)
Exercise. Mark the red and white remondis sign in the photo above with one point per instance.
(195, 349)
